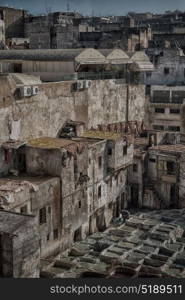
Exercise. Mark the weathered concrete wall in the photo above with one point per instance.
(34, 194)
(71, 209)
(14, 21)
(2, 31)
(171, 100)
(181, 183)
(48, 71)
(20, 251)
(44, 114)
(174, 60)
(136, 176)
(48, 196)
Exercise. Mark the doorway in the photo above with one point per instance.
(134, 203)
(173, 197)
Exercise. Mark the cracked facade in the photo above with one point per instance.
(91, 136)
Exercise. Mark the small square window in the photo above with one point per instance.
(135, 168)
(125, 150)
(166, 71)
(170, 167)
(42, 215)
(110, 182)
(174, 111)
(100, 161)
(24, 209)
(152, 160)
(55, 234)
(110, 151)
(159, 110)
(99, 191)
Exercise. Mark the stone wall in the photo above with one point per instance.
(2, 31)
(14, 21)
(20, 251)
(174, 60)
(44, 114)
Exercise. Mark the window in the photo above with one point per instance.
(79, 204)
(42, 215)
(78, 235)
(153, 160)
(174, 128)
(166, 71)
(125, 150)
(135, 168)
(17, 68)
(48, 237)
(158, 127)
(24, 209)
(170, 167)
(174, 111)
(49, 210)
(89, 161)
(111, 182)
(55, 234)
(109, 151)
(100, 161)
(148, 74)
(159, 110)
(99, 191)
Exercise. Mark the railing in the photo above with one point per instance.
(93, 76)
(100, 75)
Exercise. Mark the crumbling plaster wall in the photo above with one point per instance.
(181, 183)
(44, 114)
(20, 252)
(171, 59)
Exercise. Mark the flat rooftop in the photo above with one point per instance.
(13, 184)
(141, 141)
(102, 135)
(59, 143)
(178, 148)
(49, 143)
(11, 222)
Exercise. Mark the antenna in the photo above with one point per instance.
(68, 7)
(48, 9)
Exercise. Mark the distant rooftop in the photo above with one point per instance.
(178, 148)
(12, 223)
(49, 143)
(102, 135)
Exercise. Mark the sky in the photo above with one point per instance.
(96, 7)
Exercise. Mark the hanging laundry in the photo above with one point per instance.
(7, 155)
(15, 130)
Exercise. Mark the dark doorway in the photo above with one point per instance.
(117, 208)
(78, 235)
(17, 68)
(100, 221)
(134, 196)
(123, 201)
(170, 167)
(173, 197)
(1, 258)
